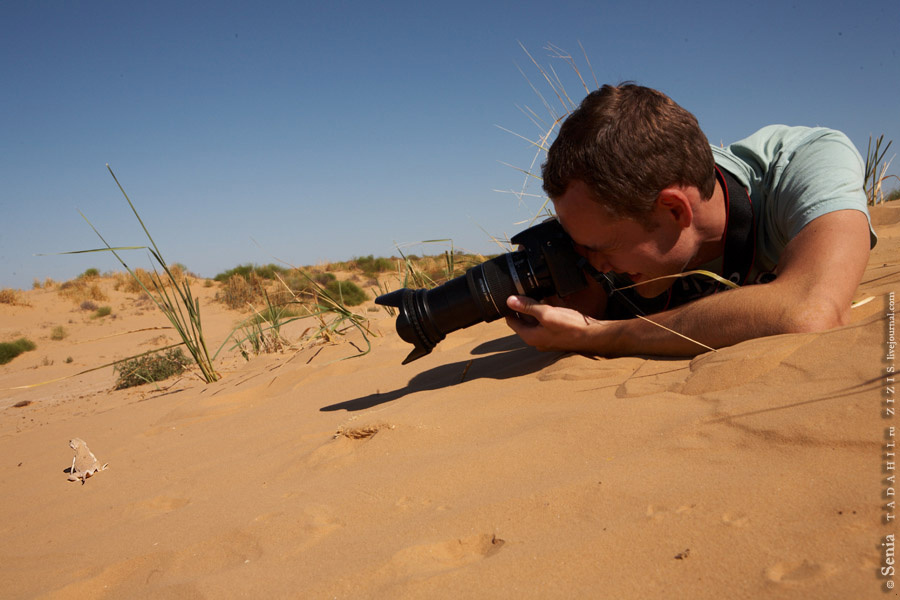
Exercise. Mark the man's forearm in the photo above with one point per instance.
(716, 321)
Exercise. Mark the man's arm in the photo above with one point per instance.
(817, 278)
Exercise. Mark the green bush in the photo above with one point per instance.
(371, 266)
(892, 195)
(346, 292)
(10, 350)
(151, 368)
(58, 333)
(90, 273)
(265, 271)
(103, 311)
(324, 278)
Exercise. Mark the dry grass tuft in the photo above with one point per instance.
(239, 291)
(82, 289)
(138, 283)
(12, 297)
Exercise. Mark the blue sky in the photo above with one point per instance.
(322, 131)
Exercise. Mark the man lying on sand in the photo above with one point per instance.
(638, 187)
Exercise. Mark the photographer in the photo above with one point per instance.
(642, 193)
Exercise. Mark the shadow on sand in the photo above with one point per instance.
(500, 359)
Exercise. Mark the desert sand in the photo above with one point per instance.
(486, 469)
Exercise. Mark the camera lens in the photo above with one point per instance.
(427, 316)
(547, 265)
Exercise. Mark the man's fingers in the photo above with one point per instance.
(522, 304)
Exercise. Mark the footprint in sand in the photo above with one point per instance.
(444, 556)
(795, 572)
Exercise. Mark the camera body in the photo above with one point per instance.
(547, 264)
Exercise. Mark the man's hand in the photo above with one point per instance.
(549, 327)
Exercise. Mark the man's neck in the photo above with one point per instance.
(710, 219)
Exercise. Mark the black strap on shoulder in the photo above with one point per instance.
(740, 229)
(737, 261)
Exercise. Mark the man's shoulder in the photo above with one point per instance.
(794, 175)
(751, 158)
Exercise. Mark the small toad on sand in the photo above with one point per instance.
(84, 464)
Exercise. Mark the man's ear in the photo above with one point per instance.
(673, 203)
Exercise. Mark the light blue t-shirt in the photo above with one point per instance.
(794, 174)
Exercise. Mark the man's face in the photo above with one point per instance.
(622, 245)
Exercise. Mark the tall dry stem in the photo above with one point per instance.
(173, 295)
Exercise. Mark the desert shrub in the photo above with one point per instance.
(892, 195)
(347, 292)
(242, 270)
(120, 280)
(10, 350)
(324, 278)
(269, 271)
(264, 271)
(296, 280)
(236, 293)
(10, 296)
(151, 368)
(103, 311)
(79, 290)
(371, 266)
(133, 283)
(88, 305)
(90, 274)
(337, 266)
(140, 279)
(58, 333)
(37, 284)
(239, 291)
(179, 272)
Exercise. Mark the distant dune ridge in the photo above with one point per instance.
(485, 469)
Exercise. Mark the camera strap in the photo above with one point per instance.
(737, 260)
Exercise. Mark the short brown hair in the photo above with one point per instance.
(628, 143)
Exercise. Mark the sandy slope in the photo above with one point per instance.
(752, 472)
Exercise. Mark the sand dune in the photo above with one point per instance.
(486, 469)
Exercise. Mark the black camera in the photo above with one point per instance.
(547, 265)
